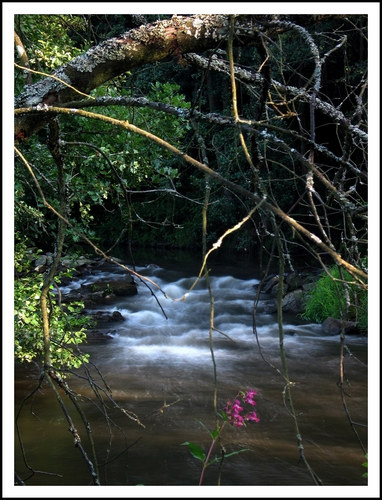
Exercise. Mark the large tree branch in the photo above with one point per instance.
(113, 57)
(147, 44)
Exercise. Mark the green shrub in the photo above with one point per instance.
(67, 325)
(327, 298)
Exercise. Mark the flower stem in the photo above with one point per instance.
(205, 463)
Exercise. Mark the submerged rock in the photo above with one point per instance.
(94, 336)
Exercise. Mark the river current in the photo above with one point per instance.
(159, 365)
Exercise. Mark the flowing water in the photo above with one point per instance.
(160, 367)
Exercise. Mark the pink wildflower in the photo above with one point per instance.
(236, 406)
(234, 409)
(238, 421)
(249, 397)
(252, 417)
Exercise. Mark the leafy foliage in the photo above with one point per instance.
(327, 298)
(120, 163)
(49, 41)
(66, 325)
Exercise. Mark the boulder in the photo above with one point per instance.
(270, 285)
(101, 330)
(122, 287)
(107, 317)
(43, 261)
(269, 306)
(293, 280)
(91, 299)
(333, 326)
(293, 302)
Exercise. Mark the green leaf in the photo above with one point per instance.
(228, 455)
(195, 451)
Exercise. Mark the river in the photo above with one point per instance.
(159, 367)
